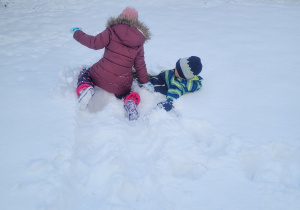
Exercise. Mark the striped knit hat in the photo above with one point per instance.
(189, 67)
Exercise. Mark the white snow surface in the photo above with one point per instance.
(235, 144)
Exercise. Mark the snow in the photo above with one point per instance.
(235, 144)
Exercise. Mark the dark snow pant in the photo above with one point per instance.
(85, 81)
(159, 83)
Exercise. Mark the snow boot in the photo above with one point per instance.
(85, 97)
(131, 109)
(130, 104)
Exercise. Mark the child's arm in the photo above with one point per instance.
(94, 42)
(172, 94)
(177, 89)
(140, 67)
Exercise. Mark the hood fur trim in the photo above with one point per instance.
(131, 22)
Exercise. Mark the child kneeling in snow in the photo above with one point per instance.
(176, 82)
(123, 40)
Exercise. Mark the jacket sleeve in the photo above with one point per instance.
(140, 67)
(175, 88)
(174, 93)
(94, 42)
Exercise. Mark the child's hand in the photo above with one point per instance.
(72, 30)
(148, 86)
(167, 105)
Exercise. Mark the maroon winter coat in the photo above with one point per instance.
(123, 40)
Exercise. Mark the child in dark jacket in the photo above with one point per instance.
(176, 82)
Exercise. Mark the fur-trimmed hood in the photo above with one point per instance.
(131, 22)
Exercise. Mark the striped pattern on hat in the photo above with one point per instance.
(189, 67)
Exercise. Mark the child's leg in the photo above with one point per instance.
(84, 81)
(85, 88)
(134, 96)
(130, 104)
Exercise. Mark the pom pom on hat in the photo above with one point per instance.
(130, 12)
(189, 67)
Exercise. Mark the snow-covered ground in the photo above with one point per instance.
(235, 144)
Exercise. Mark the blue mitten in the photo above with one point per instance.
(167, 105)
(72, 30)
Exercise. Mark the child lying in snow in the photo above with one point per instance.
(176, 82)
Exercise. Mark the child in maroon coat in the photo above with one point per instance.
(123, 40)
